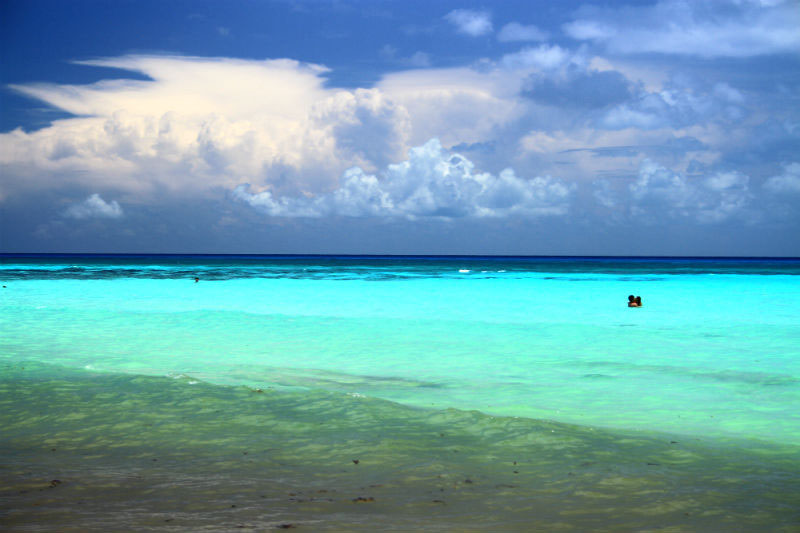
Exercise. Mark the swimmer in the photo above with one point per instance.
(196, 280)
(632, 301)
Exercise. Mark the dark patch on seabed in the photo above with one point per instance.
(86, 451)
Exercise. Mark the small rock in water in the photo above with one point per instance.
(363, 499)
(355, 461)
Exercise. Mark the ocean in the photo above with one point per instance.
(370, 393)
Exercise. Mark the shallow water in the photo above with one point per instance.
(474, 393)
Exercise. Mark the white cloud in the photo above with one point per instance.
(590, 30)
(454, 104)
(514, 31)
(700, 28)
(431, 183)
(660, 191)
(199, 124)
(94, 207)
(543, 57)
(786, 183)
(469, 22)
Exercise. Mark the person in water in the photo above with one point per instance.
(634, 301)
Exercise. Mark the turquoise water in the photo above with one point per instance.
(508, 393)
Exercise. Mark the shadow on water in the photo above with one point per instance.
(87, 451)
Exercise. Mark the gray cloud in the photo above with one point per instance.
(786, 183)
(676, 108)
(659, 191)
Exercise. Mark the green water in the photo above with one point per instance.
(135, 453)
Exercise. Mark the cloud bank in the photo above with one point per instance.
(433, 182)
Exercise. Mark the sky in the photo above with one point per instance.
(664, 127)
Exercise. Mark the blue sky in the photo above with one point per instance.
(581, 128)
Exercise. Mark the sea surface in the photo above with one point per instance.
(367, 393)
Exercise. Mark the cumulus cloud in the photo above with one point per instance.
(94, 207)
(660, 191)
(788, 182)
(433, 182)
(470, 22)
(200, 123)
(514, 31)
(702, 28)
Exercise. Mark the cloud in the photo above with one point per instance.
(94, 207)
(469, 22)
(515, 31)
(366, 126)
(675, 107)
(454, 104)
(543, 57)
(659, 192)
(786, 183)
(419, 59)
(433, 182)
(707, 28)
(200, 123)
(199, 126)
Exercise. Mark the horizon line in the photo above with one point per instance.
(369, 255)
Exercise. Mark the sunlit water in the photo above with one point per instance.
(474, 393)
